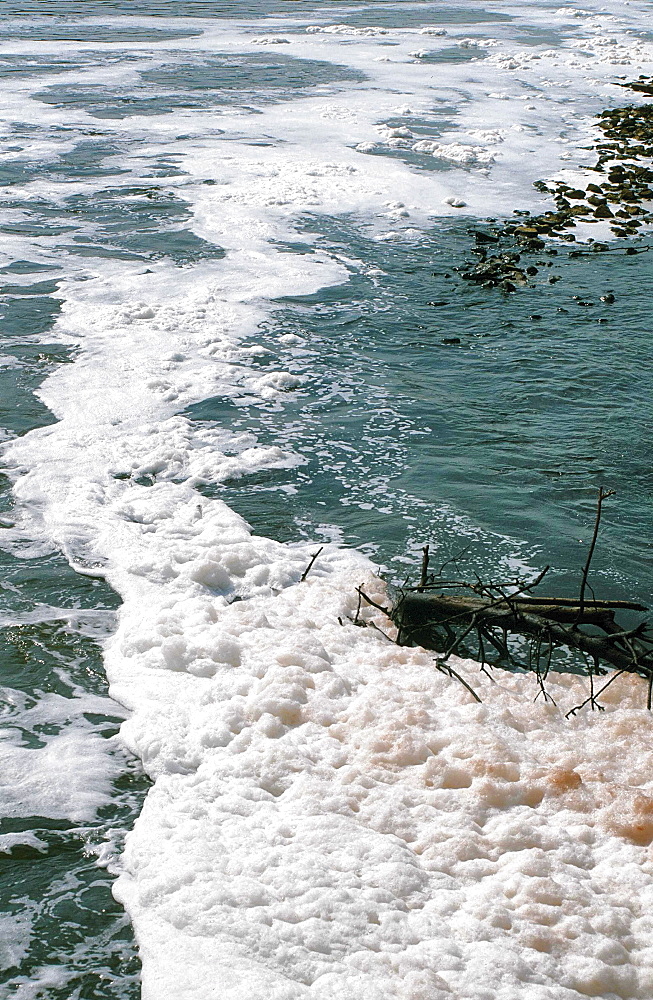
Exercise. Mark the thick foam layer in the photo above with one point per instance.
(331, 817)
(391, 836)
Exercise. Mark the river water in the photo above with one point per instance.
(234, 331)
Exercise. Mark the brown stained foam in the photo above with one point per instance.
(583, 766)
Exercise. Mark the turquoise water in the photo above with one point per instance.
(52, 622)
(383, 11)
(81, 943)
(430, 411)
(496, 444)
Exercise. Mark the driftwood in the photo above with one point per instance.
(454, 617)
(442, 622)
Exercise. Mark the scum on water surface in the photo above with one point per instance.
(427, 412)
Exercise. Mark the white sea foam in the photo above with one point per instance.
(67, 774)
(68, 778)
(10, 840)
(331, 817)
(15, 936)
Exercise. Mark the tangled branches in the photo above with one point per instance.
(482, 620)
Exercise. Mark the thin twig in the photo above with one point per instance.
(310, 565)
(424, 574)
(379, 607)
(591, 668)
(603, 495)
(377, 629)
(501, 648)
(538, 672)
(447, 668)
(572, 711)
(454, 559)
(481, 653)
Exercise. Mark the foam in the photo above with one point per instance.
(10, 840)
(348, 819)
(67, 774)
(15, 936)
(589, 59)
(331, 817)
(31, 778)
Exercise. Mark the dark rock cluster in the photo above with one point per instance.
(619, 194)
(499, 271)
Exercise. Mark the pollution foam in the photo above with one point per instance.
(331, 816)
